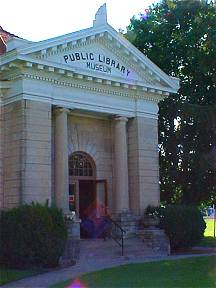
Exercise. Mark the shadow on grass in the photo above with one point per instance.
(9, 275)
(208, 242)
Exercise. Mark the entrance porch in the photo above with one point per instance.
(87, 195)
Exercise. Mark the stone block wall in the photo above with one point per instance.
(26, 153)
(143, 163)
(36, 164)
(12, 153)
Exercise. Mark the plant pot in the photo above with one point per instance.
(150, 221)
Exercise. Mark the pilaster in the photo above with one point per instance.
(36, 152)
(143, 163)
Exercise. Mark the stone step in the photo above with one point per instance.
(102, 250)
(147, 243)
(108, 244)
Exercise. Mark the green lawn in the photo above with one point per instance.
(209, 240)
(192, 272)
(8, 275)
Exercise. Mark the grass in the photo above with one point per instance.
(8, 275)
(208, 240)
(191, 272)
(209, 227)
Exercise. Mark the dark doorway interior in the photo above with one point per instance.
(92, 211)
(86, 196)
(86, 206)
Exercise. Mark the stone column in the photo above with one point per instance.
(121, 165)
(61, 160)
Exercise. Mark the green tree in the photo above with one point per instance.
(180, 37)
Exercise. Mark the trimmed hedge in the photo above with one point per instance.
(184, 225)
(32, 236)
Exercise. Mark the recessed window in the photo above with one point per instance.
(80, 165)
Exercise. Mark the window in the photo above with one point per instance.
(80, 164)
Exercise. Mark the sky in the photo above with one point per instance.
(44, 19)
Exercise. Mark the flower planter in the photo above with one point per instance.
(150, 221)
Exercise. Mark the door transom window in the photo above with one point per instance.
(80, 164)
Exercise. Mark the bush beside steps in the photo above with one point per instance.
(184, 225)
(32, 236)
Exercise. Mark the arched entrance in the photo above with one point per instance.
(87, 195)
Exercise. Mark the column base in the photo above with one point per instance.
(72, 247)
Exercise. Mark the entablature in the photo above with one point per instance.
(37, 69)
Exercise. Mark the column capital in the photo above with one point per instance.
(58, 110)
(120, 118)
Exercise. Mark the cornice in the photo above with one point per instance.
(96, 87)
(67, 47)
(5, 84)
(37, 70)
(8, 56)
(64, 39)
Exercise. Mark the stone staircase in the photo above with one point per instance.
(138, 244)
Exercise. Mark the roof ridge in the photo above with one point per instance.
(6, 32)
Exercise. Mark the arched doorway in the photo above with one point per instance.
(87, 195)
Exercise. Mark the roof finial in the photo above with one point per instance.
(101, 16)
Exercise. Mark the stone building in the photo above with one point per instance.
(78, 122)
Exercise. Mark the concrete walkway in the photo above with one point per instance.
(90, 265)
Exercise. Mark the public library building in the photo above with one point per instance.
(78, 122)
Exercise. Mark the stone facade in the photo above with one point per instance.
(91, 92)
(25, 153)
(12, 153)
(28, 149)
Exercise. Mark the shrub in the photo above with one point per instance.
(151, 210)
(32, 235)
(184, 225)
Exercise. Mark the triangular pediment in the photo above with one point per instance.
(95, 57)
(100, 51)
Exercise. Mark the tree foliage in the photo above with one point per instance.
(180, 37)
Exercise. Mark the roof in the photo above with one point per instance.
(100, 40)
(4, 37)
